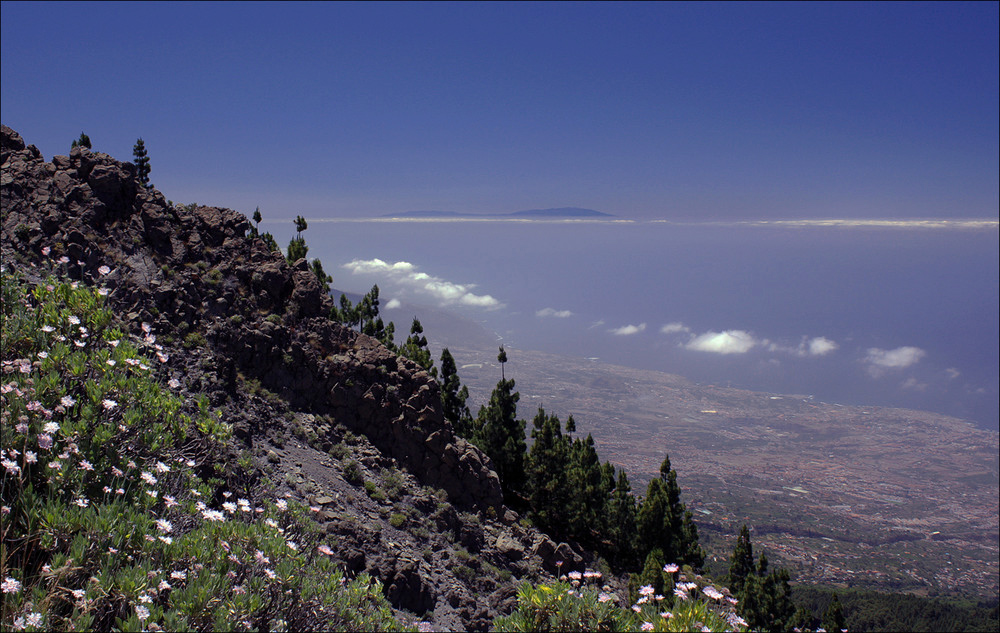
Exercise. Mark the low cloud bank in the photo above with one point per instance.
(882, 360)
(628, 330)
(553, 313)
(406, 274)
(728, 342)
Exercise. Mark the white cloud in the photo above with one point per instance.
(673, 328)
(898, 358)
(628, 330)
(728, 342)
(406, 274)
(393, 304)
(821, 346)
(952, 373)
(552, 312)
(913, 384)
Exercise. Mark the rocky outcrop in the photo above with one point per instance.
(194, 275)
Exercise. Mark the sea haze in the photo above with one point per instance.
(904, 317)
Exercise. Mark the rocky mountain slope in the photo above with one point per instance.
(330, 416)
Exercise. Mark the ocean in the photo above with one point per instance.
(888, 316)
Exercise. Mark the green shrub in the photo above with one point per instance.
(352, 473)
(397, 520)
(106, 526)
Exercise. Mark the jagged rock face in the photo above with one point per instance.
(187, 269)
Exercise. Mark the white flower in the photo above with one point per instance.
(141, 612)
(104, 270)
(34, 619)
(30, 457)
(48, 329)
(83, 502)
(148, 478)
(11, 466)
(68, 401)
(85, 465)
(109, 404)
(50, 427)
(162, 468)
(11, 585)
(164, 526)
(282, 504)
(73, 319)
(178, 575)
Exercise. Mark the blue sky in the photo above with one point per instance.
(707, 111)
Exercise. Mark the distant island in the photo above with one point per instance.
(560, 212)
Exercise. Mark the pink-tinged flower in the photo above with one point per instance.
(120, 491)
(50, 427)
(112, 550)
(604, 597)
(11, 585)
(642, 600)
(146, 327)
(169, 501)
(281, 504)
(680, 593)
(190, 463)
(117, 472)
(148, 478)
(164, 586)
(213, 515)
(83, 502)
(166, 539)
(104, 270)
(292, 546)
(647, 626)
(323, 549)
(34, 619)
(164, 526)
(78, 593)
(103, 291)
(85, 465)
(229, 507)
(11, 466)
(270, 574)
(111, 362)
(55, 465)
(68, 401)
(646, 590)
(43, 355)
(25, 367)
(178, 575)
(108, 404)
(239, 590)
(141, 612)
(196, 493)
(666, 615)
(575, 575)
(46, 250)
(173, 383)
(80, 343)
(671, 568)
(315, 508)
(712, 593)
(73, 319)
(259, 556)
(48, 329)
(45, 441)
(114, 343)
(225, 545)
(162, 468)
(636, 608)
(162, 357)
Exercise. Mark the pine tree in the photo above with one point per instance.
(622, 522)
(141, 162)
(454, 396)
(833, 619)
(586, 508)
(257, 217)
(501, 436)
(415, 348)
(741, 564)
(83, 141)
(324, 279)
(297, 248)
(547, 483)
